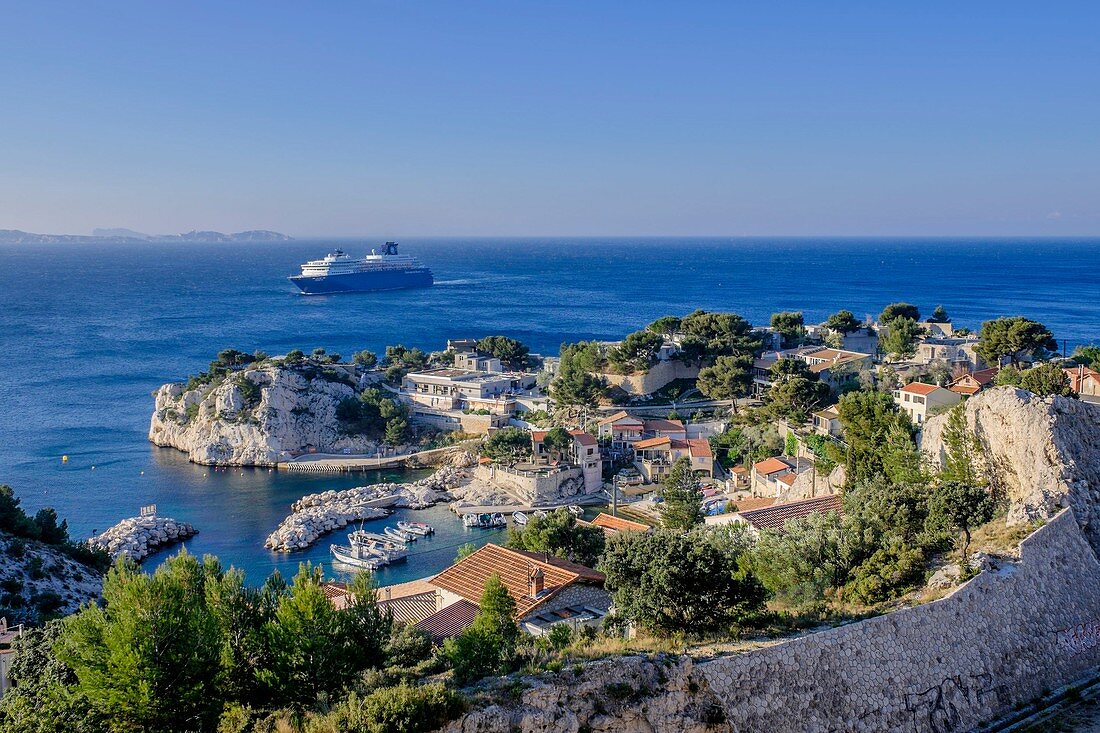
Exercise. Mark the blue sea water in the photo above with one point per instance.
(88, 332)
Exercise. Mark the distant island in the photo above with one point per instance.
(14, 236)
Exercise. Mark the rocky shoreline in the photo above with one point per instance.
(138, 537)
(318, 514)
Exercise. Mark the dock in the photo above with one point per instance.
(337, 463)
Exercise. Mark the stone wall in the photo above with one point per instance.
(658, 376)
(535, 488)
(997, 642)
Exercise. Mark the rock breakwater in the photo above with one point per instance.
(139, 537)
(318, 514)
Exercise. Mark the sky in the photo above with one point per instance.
(472, 118)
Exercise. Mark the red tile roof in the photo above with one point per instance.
(774, 517)
(618, 416)
(748, 505)
(450, 621)
(467, 578)
(700, 447)
(652, 443)
(618, 524)
(788, 478)
(920, 388)
(770, 466)
(665, 426)
(538, 435)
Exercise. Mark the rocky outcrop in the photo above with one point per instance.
(291, 411)
(139, 537)
(1044, 452)
(317, 514)
(39, 581)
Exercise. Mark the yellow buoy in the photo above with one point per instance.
(64, 459)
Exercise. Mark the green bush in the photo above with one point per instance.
(400, 709)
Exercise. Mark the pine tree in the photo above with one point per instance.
(682, 496)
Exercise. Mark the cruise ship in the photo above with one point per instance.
(339, 272)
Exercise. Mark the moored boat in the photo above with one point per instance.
(471, 520)
(498, 520)
(417, 528)
(519, 518)
(398, 534)
(356, 557)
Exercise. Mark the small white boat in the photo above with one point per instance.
(386, 549)
(498, 520)
(539, 514)
(356, 557)
(470, 520)
(417, 528)
(399, 535)
(376, 536)
(519, 518)
(575, 510)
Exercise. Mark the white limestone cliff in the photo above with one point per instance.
(216, 425)
(1044, 452)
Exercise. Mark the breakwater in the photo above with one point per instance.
(139, 537)
(318, 514)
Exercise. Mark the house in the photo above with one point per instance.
(475, 361)
(972, 383)
(834, 367)
(653, 457)
(624, 430)
(777, 515)
(453, 398)
(917, 400)
(772, 476)
(583, 452)
(739, 480)
(733, 515)
(547, 591)
(955, 350)
(612, 525)
(827, 422)
(1085, 382)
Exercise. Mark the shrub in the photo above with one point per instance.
(400, 709)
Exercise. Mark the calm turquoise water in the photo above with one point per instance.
(87, 333)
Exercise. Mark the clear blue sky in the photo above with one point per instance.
(408, 118)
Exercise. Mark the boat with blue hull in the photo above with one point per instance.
(339, 272)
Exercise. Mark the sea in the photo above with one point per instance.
(88, 332)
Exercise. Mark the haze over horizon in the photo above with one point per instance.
(572, 119)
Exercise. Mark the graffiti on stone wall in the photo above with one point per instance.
(1080, 638)
(946, 707)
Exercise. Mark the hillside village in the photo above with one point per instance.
(748, 486)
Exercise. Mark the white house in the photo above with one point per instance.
(917, 399)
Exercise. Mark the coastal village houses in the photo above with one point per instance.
(653, 457)
(772, 476)
(776, 515)
(972, 383)
(834, 367)
(1085, 383)
(547, 590)
(917, 400)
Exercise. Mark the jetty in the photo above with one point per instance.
(336, 463)
(138, 537)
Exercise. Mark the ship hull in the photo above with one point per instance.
(364, 282)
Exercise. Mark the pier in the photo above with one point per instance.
(335, 463)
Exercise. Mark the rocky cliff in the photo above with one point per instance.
(39, 581)
(1043, 451)
(281, 409)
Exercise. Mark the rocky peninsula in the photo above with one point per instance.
(138, 537)
(317, 514)
(256, 413)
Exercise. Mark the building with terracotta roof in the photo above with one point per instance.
(777, 515)
(1085, 382)
(616, 525)
(972, 383)
(546, 589)
(625, 430)
(769, 477)
(917, 399)
(449, 621)
(827, 422)
(835, 367)
(653, 457)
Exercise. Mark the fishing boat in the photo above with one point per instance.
(498, 520)
(358, 557)
(417, 528)
(539, 514)
(380, 546)
(377, 537)
(575, 510)
(519, 518)
(400, 535)
(470, 520)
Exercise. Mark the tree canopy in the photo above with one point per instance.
(721, 334)
(635, 353)
(559, 534)
(676, 581)
(681, 495)
(1087, 355)
(868, 419)
(899, 310)
(1045, 380)
(1013, 338)
(512, 353)
(507, 443)
(843, 321)
(730, 377)
(665, 326)
(901, 337)
(962, 507)
(485, 646)
(939, 315)
(575, 382)
(790, 325)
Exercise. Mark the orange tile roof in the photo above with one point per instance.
(700, 447)
(538, 435)
(775, 516)
(788, 478)
(920, 388)
(668, 426)
(653, 442)
(617, 416)
(467, 578)
(739, 469)
(618, 524)
(770, 466)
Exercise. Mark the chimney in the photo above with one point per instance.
(535, 582)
